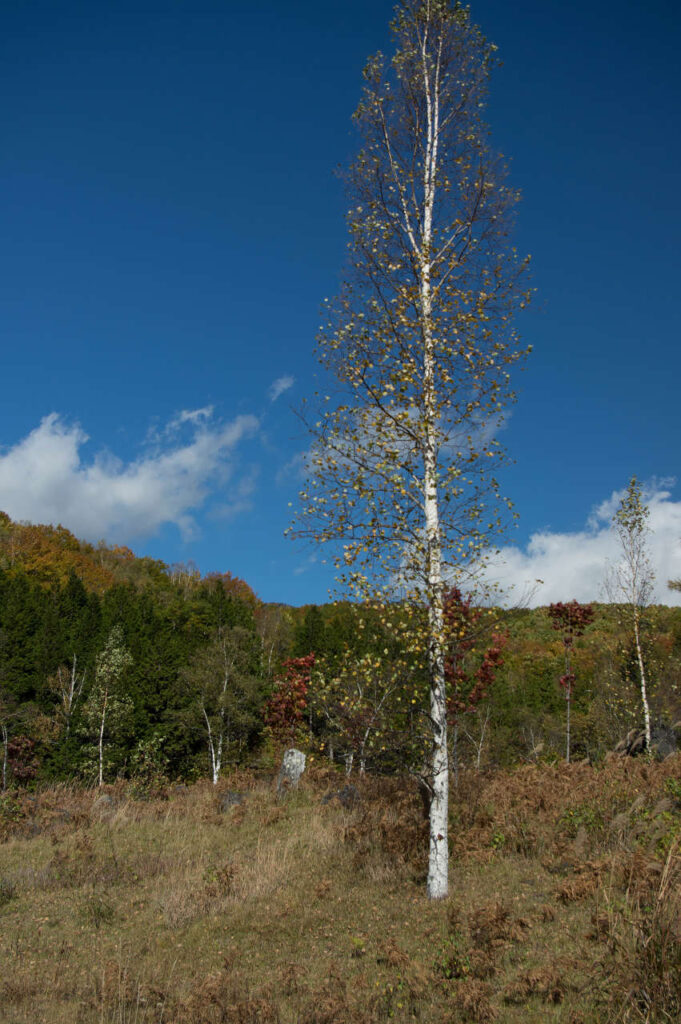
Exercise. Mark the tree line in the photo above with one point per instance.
(162, 673)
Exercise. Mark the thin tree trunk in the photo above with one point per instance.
(479, 743)
(644, 687)
(211, 745)
(567, 741)
(101, 740)
(482, 738)
(568, 696)
(74, 691)
(5, 743)
(218, 759)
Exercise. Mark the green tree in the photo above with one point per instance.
(363, 711)
(106, 706)
(419, 344)
(222, 678)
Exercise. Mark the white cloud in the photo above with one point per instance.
(240, 497)
(44, 478)
(573, 565)
(193, 416)
(279, 386)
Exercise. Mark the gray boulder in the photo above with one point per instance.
(292, 767)
(347, 797)
(103, 807)
(664, 740)
(229, 799)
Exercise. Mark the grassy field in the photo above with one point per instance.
(565, 902)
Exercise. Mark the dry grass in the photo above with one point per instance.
(565, 903)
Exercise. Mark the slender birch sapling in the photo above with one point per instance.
(419, 345)
(105, 707)
(630, 581)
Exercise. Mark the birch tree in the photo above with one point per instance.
(418, 346)
(630, 582)
(67, 684)
(228, 693)
(105, 707)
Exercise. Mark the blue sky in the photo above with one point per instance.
(171, 224)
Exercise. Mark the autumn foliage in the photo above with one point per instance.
(285, 709)
(570, 619)
(468, 679)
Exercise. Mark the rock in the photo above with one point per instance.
(663, 741)
(230, 799)
(347, 797)
(292, 767)
(103, 807)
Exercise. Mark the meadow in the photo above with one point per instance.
(179, 906)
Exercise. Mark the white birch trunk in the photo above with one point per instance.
(75, 687)
(101, 739)
(479, 743)
(216, 741)
(71, 691)
(215, 770)
(218, 760)
(644, 686)
(438, 859)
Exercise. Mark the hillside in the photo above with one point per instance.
(62, 600)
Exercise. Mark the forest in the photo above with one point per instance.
(115, 666)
